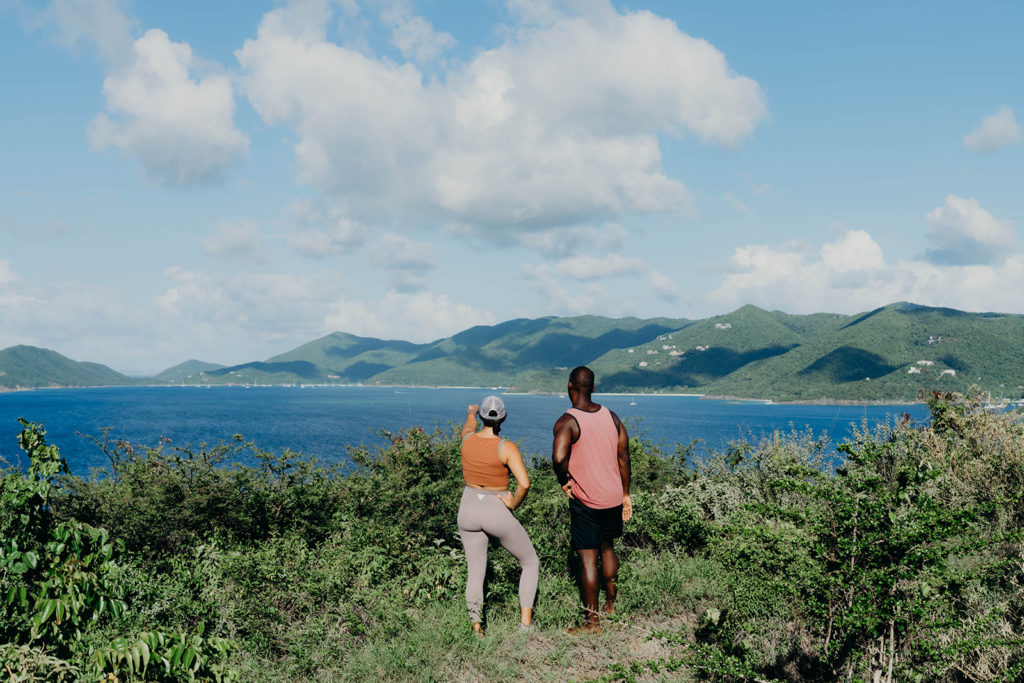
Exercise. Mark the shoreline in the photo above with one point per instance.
(826, 401)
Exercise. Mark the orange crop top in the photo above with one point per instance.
(480, 463)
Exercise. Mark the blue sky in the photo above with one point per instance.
(227, 180)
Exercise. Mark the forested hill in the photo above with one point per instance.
(23, 367)
(890, 353)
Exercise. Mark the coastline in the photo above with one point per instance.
(821, 401)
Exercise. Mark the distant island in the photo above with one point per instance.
(892, 353)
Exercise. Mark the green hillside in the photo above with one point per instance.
(30, 367)
(348, 358)
(690, 358)
(512, 353)
(189, 371)
(287, 372)
(891, 353)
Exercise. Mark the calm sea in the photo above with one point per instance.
(322, 421)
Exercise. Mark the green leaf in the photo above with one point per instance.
(46, 612)
(32, 559)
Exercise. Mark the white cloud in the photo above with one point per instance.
(418, 317)
(561, 242)
(103, 23)
(402, 253)
(320, 232)
(800, 279)
(275, 307)
(408, 261)
(995, 131)
(556, 126)
(7, 274)
(590, 268)
(77, 319)
(179, 126)
(561, 301)
(241, 240)
(968, 234)
(664, 287)
(414, 36)
(854, 251)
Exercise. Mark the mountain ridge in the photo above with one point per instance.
(893, 352)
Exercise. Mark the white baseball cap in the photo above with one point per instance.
(492, 408)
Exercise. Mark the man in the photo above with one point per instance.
(590, 456)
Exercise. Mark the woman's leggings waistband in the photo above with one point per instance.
(486, 492)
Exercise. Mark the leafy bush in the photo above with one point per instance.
(64, 587)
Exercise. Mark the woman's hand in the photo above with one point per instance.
(508, 500)
(567, 487)
(472, 409)
(627, 508)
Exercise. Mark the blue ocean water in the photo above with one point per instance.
(322, 421)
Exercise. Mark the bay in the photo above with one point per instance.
(324, 421)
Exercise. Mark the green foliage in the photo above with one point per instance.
(903, 565)
(64, 586)
(763, 562)
(157, 656)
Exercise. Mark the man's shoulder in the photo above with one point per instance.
(565, 420)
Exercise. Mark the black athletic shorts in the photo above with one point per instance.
(589, 527)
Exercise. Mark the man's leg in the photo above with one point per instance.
(610, 572)
(589, 587)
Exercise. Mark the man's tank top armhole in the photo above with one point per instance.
(578, 428)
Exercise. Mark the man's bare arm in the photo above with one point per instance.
(625, 468)
(562, 447)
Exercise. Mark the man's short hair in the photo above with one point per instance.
(582, 378)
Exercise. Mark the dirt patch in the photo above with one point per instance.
(554, 655)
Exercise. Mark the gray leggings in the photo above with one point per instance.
(483, 514)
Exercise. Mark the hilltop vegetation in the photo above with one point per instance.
(28, 366)
(892, 353)
(760, 563)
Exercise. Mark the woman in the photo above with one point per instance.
(486, 508)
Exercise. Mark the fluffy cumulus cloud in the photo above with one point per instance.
(320, 232)
(233, 306)
(81, 320)
(995, 131)
(102, 23)
(965, 234)
(418, 317)
(408, 260)
(851, 274)
(413, 35)
(559, 243)
(242, 240)
(557, 125)
(167, 109)
(572, 298)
